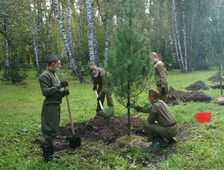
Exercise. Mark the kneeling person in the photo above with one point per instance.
(161, 122)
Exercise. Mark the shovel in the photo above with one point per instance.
(74, 142)
(101, 106)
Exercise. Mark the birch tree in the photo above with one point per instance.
(92, 37)
(70, 54)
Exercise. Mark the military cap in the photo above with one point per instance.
(153, 55)
(52, 57)
(153, 93)
(93, 67)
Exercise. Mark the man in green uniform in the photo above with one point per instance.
(160, 76)
(50, 116)
(100, 79)
(161, 122)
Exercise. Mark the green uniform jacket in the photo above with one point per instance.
(104, 86)
(50, 86)
(162, 114)
(160, 74)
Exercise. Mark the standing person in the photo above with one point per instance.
(160, 76)
(50, 116)
(104, 88)
(161, 122)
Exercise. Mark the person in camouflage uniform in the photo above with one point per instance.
(161, 122)
(160, 76)
(50, 116)
(104, 89)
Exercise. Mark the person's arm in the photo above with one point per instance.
(46, 86)
(162, 74)
(143, 109)
(153, 115)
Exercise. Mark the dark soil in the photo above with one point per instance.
(215, 78)
(175, 97)
(217, 86)
(101, 127)
(199, 85)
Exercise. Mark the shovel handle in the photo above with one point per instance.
(101, 106)
(70, 115)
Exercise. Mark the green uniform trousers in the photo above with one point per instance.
(110, 103)
(166, 132)
(50, 118)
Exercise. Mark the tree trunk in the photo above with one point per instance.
(106, 26)
(6, 70)
(177, 37)
(69, 13)
(80, 30)
(92, 38)
(158, 26)
(70, 54)
(185, 44)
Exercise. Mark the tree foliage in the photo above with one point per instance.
(128, 59)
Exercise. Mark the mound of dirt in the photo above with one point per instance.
(175, 97)
(215, 78)
(217, 86)
(199, 85)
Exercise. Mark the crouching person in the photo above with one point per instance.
(161, 123)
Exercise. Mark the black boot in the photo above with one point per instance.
(48, 154)
(160, 141)
(172, 141)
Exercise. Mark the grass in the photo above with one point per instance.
(200, 145)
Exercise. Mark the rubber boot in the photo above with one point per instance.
(160, 141)
(172, 141)
(48, 154)
(111, 112)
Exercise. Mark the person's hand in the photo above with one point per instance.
(94, 88)
(163, 91)
(98, 98)
(138, 108)
(64, 84)
(65, 92)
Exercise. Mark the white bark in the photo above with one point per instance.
(69, 13)
(106, 25)
(70, 54)
(177, 36)
(92, 38)
(35, 43)
(6, 71)
(185, 44)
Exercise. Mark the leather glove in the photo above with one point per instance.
(99, 98)
(64, 84)
(138, 108)
(94, 88)
(65, 93)
(163, 91)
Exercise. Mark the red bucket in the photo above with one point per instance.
(203, 116)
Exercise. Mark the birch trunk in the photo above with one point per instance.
(158, 26)
(70, 54)
(92, 38)
(177, 37)
(6, 71)
(185, 44)
(69, 13)
(35, 46)
(106, 26)
(80, 29)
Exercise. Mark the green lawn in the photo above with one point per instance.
(200, 145)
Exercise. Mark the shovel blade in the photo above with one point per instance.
(74, 142)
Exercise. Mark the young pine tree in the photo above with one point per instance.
(128, 60)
